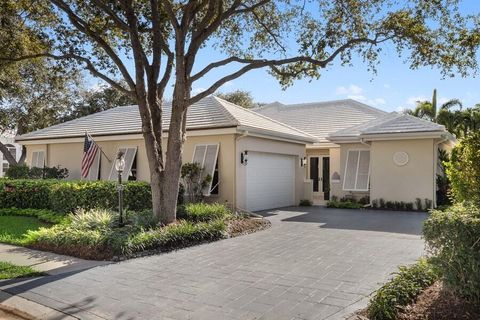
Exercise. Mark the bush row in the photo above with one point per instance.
(41, 214)
(401, 290)
(419, 205)
(453, 236)
(66, 196)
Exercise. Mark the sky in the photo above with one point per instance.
(393, 88)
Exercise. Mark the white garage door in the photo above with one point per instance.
(270, 181)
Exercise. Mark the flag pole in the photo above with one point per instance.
(104, 154)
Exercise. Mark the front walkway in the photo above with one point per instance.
(313, 263)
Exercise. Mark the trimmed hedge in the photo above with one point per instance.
(65, 196)
(40, 214)
(453, 236)
(402, 290)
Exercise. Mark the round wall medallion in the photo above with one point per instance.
(400, 158)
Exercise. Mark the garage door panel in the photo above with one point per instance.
(270, 181)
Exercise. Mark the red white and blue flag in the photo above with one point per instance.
(90, 149)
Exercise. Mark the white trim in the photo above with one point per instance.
(356, 172)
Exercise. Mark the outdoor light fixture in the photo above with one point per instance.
(120, 166)
(303, 161)
(244, 157)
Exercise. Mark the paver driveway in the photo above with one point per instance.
(313, 263)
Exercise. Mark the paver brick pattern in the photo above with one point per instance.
(312, 263)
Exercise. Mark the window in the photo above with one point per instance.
(130, 172)
(206, 156)
(357, 171)
(38, 159)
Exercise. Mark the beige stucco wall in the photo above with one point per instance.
(402, 183)
(269, 146)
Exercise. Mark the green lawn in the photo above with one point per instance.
(10, 271)
(14, 228)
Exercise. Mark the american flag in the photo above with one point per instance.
(90, 150)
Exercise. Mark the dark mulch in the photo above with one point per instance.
(238, 227)
(439, 303)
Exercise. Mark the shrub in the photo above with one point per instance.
(418, 204)
(181, 234)
(381, 202)
(428, 204)
(401, 290)
(305, 203)
(463, 169)
(364, 200)
(21, 171)
(409, 206)
(203, 212)
(375, 204)
(40, 214)
(66, 196)
(344, 204)
(453, 236)
(390, 205)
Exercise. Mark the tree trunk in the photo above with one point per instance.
(7, 155)
(173, 163)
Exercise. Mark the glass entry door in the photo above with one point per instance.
(319, 173)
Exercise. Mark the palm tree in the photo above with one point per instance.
(428, 109)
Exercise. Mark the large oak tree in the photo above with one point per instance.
(293, 39)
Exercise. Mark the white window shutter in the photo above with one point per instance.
(130, 154)
(199, 154)
(93, 172)
(363, 170)
(350, 170)
(211, 155)
(34, 159)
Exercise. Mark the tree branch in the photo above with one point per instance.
(89, 65)
(82, 26)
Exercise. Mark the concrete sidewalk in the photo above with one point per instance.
(50, 263)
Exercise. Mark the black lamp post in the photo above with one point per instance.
(120, 166)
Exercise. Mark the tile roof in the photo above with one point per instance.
(211, 112)
(322, 118)
(390, 123)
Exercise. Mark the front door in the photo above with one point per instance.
(319, 173)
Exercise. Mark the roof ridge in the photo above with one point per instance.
(267, 118)
(224, 110)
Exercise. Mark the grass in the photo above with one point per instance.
(13, 229)
(10, 271)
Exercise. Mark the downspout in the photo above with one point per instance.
(241, 136)
(362, 141)
(435, 165)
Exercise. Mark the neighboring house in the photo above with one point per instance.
(15, 150)
(269, 158)
(363, 151)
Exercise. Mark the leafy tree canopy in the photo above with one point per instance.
(238, 97)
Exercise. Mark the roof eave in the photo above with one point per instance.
(271, 133)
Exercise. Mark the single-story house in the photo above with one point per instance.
(271, 157)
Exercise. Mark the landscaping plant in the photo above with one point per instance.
(453, 237)
(401, 290)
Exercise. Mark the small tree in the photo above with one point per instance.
(194, 181)
(238, 97)
(463, 170)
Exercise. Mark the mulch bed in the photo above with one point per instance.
(238, 227)
(439, 303)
